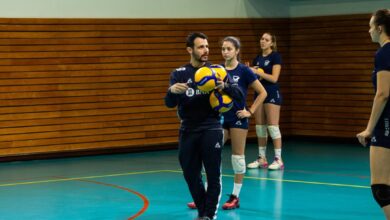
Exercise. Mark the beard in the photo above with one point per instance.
(200, 58)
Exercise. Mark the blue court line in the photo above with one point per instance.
(178, 171)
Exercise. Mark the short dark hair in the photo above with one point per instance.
(382, 17)
(192, 36)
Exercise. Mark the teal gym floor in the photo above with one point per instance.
(326, 181)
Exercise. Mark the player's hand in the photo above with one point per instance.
(363, 137)
(243, 114)
(220, 85)
(178, 88)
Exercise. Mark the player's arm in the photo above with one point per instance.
(256, 85)
(380, 100)
(273, 77)
(249, 111)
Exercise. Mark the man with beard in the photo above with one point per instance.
(201, 134)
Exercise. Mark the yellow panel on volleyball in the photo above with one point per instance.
(205, 79)
(220, 101)
(220, 71)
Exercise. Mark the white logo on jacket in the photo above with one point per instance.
(235, 79)
(190, 92)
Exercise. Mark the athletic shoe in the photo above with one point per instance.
(259, 163)
(232, 203)
(191, 205)
(277, 164)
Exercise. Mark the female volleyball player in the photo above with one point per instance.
(267, 66)
(235, 123)
(378, 127)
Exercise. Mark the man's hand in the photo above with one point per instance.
(220, 85)
(178, 88)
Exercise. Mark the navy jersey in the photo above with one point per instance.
(243, 77)
(266, 63)
(382, 129)
(194, 107)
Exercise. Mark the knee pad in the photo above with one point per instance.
(274, 131)
(238, 162)
(261, 131)
(381, 193)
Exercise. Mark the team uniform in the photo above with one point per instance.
(243, 77)
(266, 63)
(273, 97)
(200, 139)
(381, 134)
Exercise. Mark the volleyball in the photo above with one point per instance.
(220, 101)
(220, 71)
(205, 79)
(260, 70)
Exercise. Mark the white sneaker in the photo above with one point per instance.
(276, 165)
(259, 163)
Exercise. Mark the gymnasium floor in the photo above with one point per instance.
(321, 181)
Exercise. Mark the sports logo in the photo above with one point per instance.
(190, 92)
(181, 69)
(266, 62)
(217, 145)
(235, 79)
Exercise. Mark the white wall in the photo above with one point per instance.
(305, 8)
(143, 8)
(185, 8)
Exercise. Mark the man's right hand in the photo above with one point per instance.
(178, 88)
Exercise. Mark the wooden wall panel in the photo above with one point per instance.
(72, 85)
(331, 60)
(87, 84)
